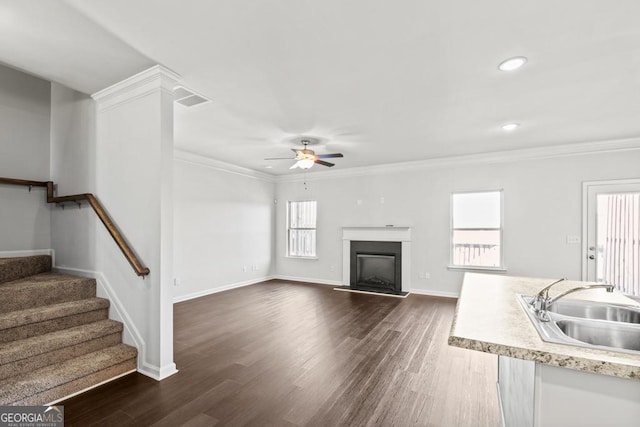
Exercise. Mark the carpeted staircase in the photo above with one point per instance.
(55, 336)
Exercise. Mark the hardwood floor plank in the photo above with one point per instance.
(200, 420)
(199, 405)
(291, 354)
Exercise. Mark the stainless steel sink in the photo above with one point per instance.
(588, 324)
(594, 310)
(607, 334)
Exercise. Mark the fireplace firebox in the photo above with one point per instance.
(376, 266)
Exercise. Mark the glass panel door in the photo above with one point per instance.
(612, 243)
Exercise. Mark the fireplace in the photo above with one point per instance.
(376, 266)
(376, 245)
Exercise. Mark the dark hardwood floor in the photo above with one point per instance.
(292, 354)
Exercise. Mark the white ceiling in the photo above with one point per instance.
(380, 81)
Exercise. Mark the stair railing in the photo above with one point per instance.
(128, 252)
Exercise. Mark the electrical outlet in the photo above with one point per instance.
(244, 268)
(332, 268)
(573, 240)
(176, 282)
(427, 276)
(421, 275)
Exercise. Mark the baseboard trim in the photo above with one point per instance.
(223, 288)
(308, 280)
(158, 373)
(431, 293)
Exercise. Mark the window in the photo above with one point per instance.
(301, 229)
(476, 229)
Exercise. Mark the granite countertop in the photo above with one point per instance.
(490, 319)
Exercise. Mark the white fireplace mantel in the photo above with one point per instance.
(377, 234)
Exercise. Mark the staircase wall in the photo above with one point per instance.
(73, 163)
(24, 153)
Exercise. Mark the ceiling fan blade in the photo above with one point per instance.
(280, 158)
(329, 156)
(323, 163)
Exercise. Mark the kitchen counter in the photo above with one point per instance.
(490, 319)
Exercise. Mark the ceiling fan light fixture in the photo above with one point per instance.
(306, 158)
(512, 64)
(305, 163)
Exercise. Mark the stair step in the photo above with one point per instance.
(44, 289)
(18, 357)
(16, 268)
(52, 383)
(18, 325)
(55, 336)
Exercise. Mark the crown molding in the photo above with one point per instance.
(585, 148)
(137, 86)
(197, 159)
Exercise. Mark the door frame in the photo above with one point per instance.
(586, 186)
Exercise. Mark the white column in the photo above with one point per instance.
(134, 180)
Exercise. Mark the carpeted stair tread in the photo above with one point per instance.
(42, 320)
(17, 268)
(55, 335)
(44, 289)
(23, 356)
(29, 347)
(57, 381)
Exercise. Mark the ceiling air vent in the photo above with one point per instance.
(187, 97)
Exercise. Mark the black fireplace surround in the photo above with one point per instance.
(376, 266)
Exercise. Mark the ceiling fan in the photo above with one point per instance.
(306, 158)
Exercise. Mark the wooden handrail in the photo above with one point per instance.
(26, 182)
(129, 254)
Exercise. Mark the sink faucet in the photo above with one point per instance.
(550, 301)
(541, 302)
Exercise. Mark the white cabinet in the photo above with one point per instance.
(538, 395)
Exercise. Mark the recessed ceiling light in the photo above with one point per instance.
(512, 63)
(510, 126)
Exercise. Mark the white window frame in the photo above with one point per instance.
(288, 249)
(502, 267)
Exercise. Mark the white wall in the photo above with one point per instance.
(73, 164)
(24, 154)
(223, 222)
(542, 206)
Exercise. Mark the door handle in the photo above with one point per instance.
(592, 257)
